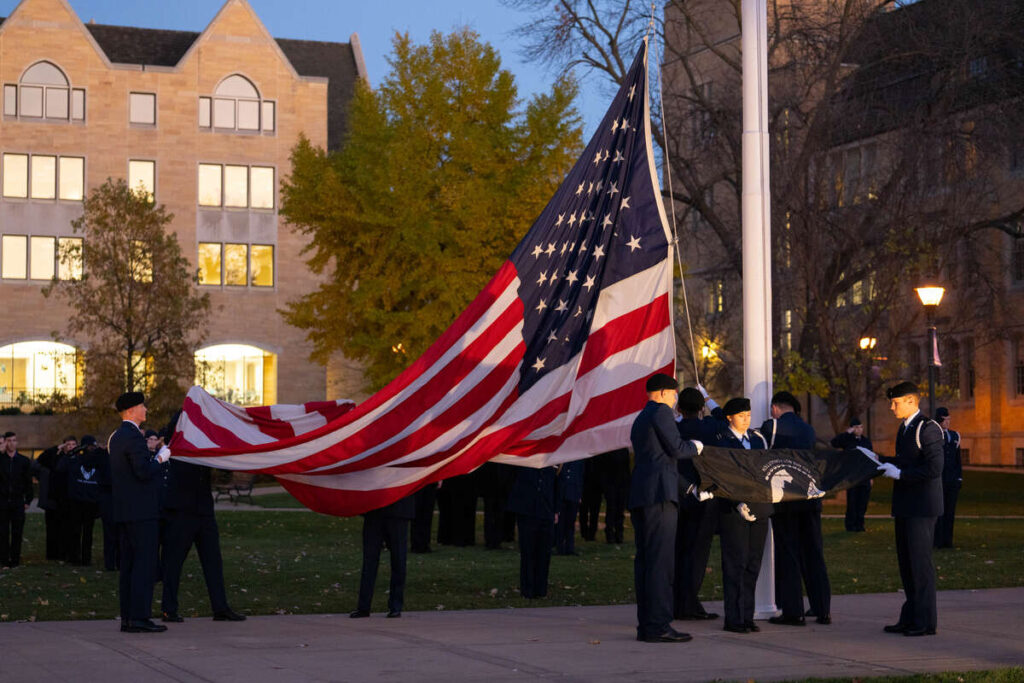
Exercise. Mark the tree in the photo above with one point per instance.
(890, 123)
(439, 177)
(136, 302)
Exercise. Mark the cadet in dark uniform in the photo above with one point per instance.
(389, 524)
(570, 492)
(614, 470)
(423, 521)
(15, 495)
(495, 480)
(799, 552)
(84, 470)
(111, 543)
(534, 500)
(857, 497)
(916, 503)
(590, 503)
(744, 527)
(698, 519)
(654, 494)
(952, 479)
(134, 474)
(51, 472)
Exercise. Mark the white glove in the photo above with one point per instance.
(698, 444)
(745, 512)
(164, 454)
(703, 391)
(870, 454)
(702, 495)
(889, 470)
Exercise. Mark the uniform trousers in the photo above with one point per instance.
(944, 524)
(565, 529)
(694, 533)
(12, 528)
(615, 496)
(181, 531)
(424, 519)
(857, 498)
(376, 530)
(81, 520)
(494, 519)
(56, 520)
(914, 537)
(742, 548)
(111, 544)
(535, 539)
(139, 557)
(654, 566)
(590, 509)
(800, 559)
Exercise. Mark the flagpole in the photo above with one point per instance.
(757, 278)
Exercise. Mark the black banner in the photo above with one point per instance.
(780, 475)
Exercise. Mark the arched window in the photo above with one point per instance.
(32, 372)
(236, 105)
(238, 373)
(45, 93)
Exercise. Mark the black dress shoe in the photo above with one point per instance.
(736, 628)
(669, 636)
(394, 614)
(825, 620)
(752, 627)
(896, 628)
(698, 616)
(919, 632)
(228, 615)
(144, 626)
(359, 614)
(787, 621)
(172, 617)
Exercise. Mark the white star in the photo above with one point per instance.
(561, 306)
(624, 125)
(605, 157)
(583, 247)
(624, 204)
(551, 249)
(572, 218)
(539, 365)
(633, 244)
(613, 189)
(554, 276)
(632, 89)
(615, 125)
(561, 219)
(599, 252)
(571, 278)
(597, 158)
(618, 157)
(565, 245)
(579, 312)
(607, 220)
(589, 283)
(537, 251)
(543, 278)
(552, 337)
(590, 188)
(566, 339)
(597, 186)
(541, 306)
(579, 190)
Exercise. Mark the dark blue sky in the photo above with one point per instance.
(374, 20)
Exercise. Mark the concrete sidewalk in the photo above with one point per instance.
(977, 630)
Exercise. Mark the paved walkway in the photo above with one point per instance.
(977, 630)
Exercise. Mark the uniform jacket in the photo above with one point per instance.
(85, 470)
(952, 467)
(535, 493)
(727, 439)
(658, 446)
(403, 508)
(613, 468)
(788, 431)
(704, 430)
(134, 476)
(918, 491)
(570, 481)
(187, 489)
(15, 481)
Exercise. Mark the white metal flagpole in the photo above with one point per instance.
(757, 252)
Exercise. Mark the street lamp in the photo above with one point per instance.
(867, 344)
(931, 296)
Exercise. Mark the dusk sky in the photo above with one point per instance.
(375, 21)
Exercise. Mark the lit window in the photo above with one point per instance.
(69, 255)
(209, 185)
(42, 256)
(142, 178)
(33, 371)
(44, 177)
(14, 257)
(142, 108)
(72, 178)
(262, 265)
(140, 262)
(15, 175)
(236, 186)
(236, 106)
(237, 373)
(209, 263)
(236, 264)
(262, 181)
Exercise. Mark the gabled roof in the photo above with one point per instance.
(159, 47)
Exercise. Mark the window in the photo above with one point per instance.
(140, 262)
(969, 362)
(142, 108)
(33, 371)
(854, 174)
(1018, 367)
(236, 187)
(716, 297)
(1017, 260)
(238, 373)
(1018, 456)
(44, 93)
(42, 258)
(965, 456)
(236, 106)
(13, 257)
(142, 178)
(236, 265)
(951, 368)
(43, 177)
(69, 258)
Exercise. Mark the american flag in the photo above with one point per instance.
(546, 365)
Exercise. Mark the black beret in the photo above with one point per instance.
(855, 422)
(660, 382)
(784, 398)
(128, 400)
(736, 405)
(902, 389)
(941, 413)
(690, 400)
(88, 440)
(151, 432)
(718, 413)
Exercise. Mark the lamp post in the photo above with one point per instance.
(867, 345)
(931, 296)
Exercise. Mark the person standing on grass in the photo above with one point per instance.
(390, 525)
(916, 504)
(857, 497)
(534, 500)
(15, 495)
(952, 479)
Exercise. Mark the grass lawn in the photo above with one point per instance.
(1011, 675)
(288, 562)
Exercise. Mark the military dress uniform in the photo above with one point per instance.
(614, 472)
(570, 492)
(389, 524)
(534, 500)
(15, 493)
(857, 497)
(952, 479)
